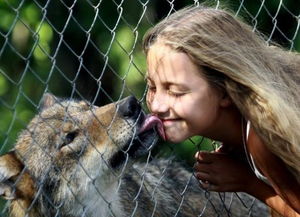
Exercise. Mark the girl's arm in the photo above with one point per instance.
(220, 172)
(267, 194)
(283, 182)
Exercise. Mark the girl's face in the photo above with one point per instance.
(180, 96)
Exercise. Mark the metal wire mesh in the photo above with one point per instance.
(91, 50)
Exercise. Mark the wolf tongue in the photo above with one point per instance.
(153, 121)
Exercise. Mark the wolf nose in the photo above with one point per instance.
(129, 108)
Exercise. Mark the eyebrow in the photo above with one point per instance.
(169, 83)
(147, 78)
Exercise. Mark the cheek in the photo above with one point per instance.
(149, 99)
(204, 119)
(197, 112)
(185, 107)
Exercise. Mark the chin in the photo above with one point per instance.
(176, 139)
(177, 136)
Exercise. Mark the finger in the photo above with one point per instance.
(204, 157)
(202, 167)
(202, 176)
(209, 186)
(221, 149)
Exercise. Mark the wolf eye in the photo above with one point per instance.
(69, 138)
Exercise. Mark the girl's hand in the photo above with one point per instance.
(221, 172)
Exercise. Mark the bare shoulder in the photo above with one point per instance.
(271, 165)
(260, 152)
(281, 179)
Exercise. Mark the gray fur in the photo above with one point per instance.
(55, 174)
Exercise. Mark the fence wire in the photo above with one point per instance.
(91, 50)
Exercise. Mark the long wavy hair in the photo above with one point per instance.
(261, 79)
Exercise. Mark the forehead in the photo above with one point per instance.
(168, 65)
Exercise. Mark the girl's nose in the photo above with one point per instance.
(158, 104)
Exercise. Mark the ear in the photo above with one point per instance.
(47, 101)
(225, 100)
(10, 167)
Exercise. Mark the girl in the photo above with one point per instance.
(210, 75)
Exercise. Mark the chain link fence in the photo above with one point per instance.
(91, 50)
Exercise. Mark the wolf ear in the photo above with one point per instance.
(10, 167)
(47, 101)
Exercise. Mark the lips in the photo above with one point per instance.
(151, 122)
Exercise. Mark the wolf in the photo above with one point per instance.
(77, 159)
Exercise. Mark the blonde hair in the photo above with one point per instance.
(262, 80)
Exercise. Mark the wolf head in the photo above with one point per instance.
(71, 152)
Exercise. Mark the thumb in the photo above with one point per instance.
(204, 157)
(223, 149)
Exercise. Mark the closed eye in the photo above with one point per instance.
(175, 94)
(151, 88)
